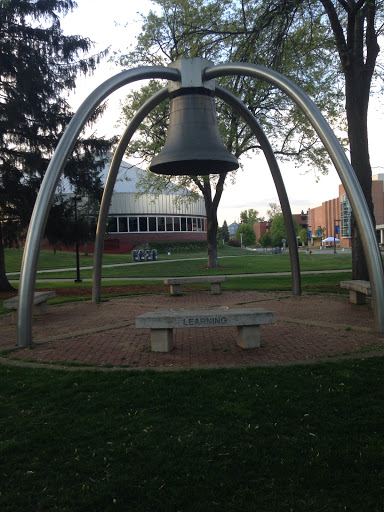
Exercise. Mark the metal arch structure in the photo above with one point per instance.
(249, 118)
(340, 161)
(50, 181)
(118, 155)
(260, 135)
(65, 146)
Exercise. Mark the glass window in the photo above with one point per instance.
(112, 225)
(183, 224)
(198, 224)
(176, 223)
(123, 225)
(161, 223)
(132, 224)
(189, 224)
(169, 223)
(143, 223)
(152, 223)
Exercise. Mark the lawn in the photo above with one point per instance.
(236, 262)
(278, 439)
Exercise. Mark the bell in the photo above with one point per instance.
(193, 144)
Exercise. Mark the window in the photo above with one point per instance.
(123, 225)
(176, 223)
(345, 209)
(169, 223)
(183, 224)
(132, 224)
(189, 224)
(161, 223)
(152, 223)
(143, 224)
(112, 225)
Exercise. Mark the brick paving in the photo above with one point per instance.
(308, 328)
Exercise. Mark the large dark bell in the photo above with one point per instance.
(193, 144)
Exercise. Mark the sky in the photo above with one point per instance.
(116, 23)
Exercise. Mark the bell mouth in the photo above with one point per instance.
(194, 167)
(193, 145)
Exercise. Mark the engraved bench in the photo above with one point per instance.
(358, 290)
(176, 282)
(39, 303)
(162, 323)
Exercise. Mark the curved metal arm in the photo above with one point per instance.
(340, 161)
(51, 178)
(144, 110)
(252, 122)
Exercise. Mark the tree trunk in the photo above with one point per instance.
(357, 87)
(212, 226)
(211, 205)
(5, 285)
(358, 50)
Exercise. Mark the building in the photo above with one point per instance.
(136, 219)
(333, 217)
(232, 228)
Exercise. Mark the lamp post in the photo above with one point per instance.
(336, 229)
(77, 280)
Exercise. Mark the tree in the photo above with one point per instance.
(356, 26)
(225, 231)
(246, 234)
(224, 30)
(250, 216)
(265, 240)
(278, 231)
(274, 210)
(37, 64)
(303, 236)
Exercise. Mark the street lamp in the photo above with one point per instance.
(336, 231)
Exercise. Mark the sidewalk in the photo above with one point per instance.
(308, 328)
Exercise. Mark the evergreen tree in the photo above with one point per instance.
(225, 231)
(37, 64)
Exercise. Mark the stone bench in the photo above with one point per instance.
(176, 282)
(358, 290)
(39, 303)
(162, 323)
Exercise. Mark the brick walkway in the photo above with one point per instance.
(308, 328)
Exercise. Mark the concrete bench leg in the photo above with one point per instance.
(215, 288)
(175, 289)
(248, 336)
(40, 309)
(161, 340)
(357, 297)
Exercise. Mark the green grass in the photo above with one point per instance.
(245, 263)
(67, 259)
(279, 439)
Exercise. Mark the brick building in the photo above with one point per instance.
(337, 212)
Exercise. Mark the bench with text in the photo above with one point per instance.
(162, 323)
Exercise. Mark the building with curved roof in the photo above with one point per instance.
(137, 218)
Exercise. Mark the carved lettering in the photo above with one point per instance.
(215, 320)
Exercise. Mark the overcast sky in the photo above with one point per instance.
(254, 188)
